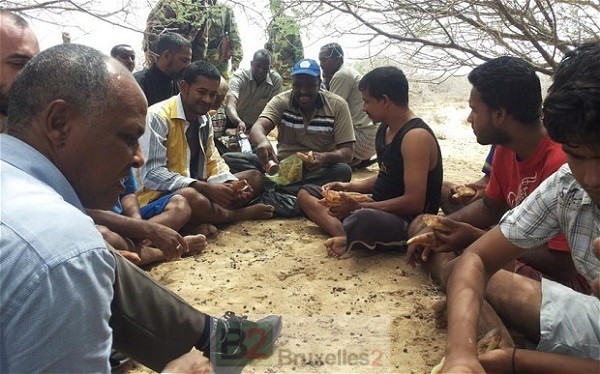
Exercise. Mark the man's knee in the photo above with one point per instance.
(195, 199)
(366, 219)
(340, 172)
(179, 205)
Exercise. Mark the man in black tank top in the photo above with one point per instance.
(409, 179)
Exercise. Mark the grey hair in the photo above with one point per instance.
(71, 72)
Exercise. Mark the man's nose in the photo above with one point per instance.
(138, 158)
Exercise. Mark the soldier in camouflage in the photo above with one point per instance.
(211, 29)
(284, 43)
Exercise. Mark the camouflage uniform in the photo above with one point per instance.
(284, 43)
(200, 23)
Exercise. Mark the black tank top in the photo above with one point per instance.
(390, 180)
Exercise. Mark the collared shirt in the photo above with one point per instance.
(345, 84)
(156, 173)
(558, 204)
(329, 127)
(56, 274)
(251, 99)
(157, 86)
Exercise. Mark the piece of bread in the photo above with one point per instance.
(333, 198)
(464, 191)
(426, 240)
(489, 342)
(306, 157)
(240, 186)
(433, 221)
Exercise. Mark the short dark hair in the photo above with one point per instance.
(200, 68)
(115, 50)
(83, 82)
(333, 50)
(572, 107)
(386, 80)
(510, 83)
(262, 54)
(171, 41)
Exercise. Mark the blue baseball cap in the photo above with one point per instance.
(307, 66)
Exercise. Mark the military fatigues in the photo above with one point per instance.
(211, 29)
(285, 44)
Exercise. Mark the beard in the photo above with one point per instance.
(3, 103)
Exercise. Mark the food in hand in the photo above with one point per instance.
(464, 192)
(433, 221)
(426, 240)
(489, 342)
(240, 186)
(306, 157)
(333, 198)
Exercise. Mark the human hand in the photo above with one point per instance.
(497, 360)
(191, 362)
(458, 236)
(243, 190)
(315, 163)
(265, 152)
(221, 193)
(343, 210)
(241, 127)
(335, 186)
(167, 240)
(462, 194)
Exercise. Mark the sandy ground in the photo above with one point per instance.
(367, 313)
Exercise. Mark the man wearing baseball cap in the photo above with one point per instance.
(307, 120)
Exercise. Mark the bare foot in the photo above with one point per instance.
(149, 254)
(196, 244)
(208, 230)
(439, 313)
(336, 246)
(253, 212)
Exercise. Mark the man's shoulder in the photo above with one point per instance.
(141, 74)
(275, 77)
(346, 72)
(333, 99)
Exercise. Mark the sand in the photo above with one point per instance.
(367, 313)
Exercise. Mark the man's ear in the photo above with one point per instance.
(183, 86)
(386, 100)
(58, 121)
(499, 116)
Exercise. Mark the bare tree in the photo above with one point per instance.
(445, 35)
(58, 11)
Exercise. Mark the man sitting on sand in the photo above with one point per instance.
(66, 298)
(180, 151)
(505, 106)
(343, 80)
(151, 234)
(409, 178)
(307, 120)
(565, 323)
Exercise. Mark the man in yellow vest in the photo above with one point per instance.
(181, 157)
